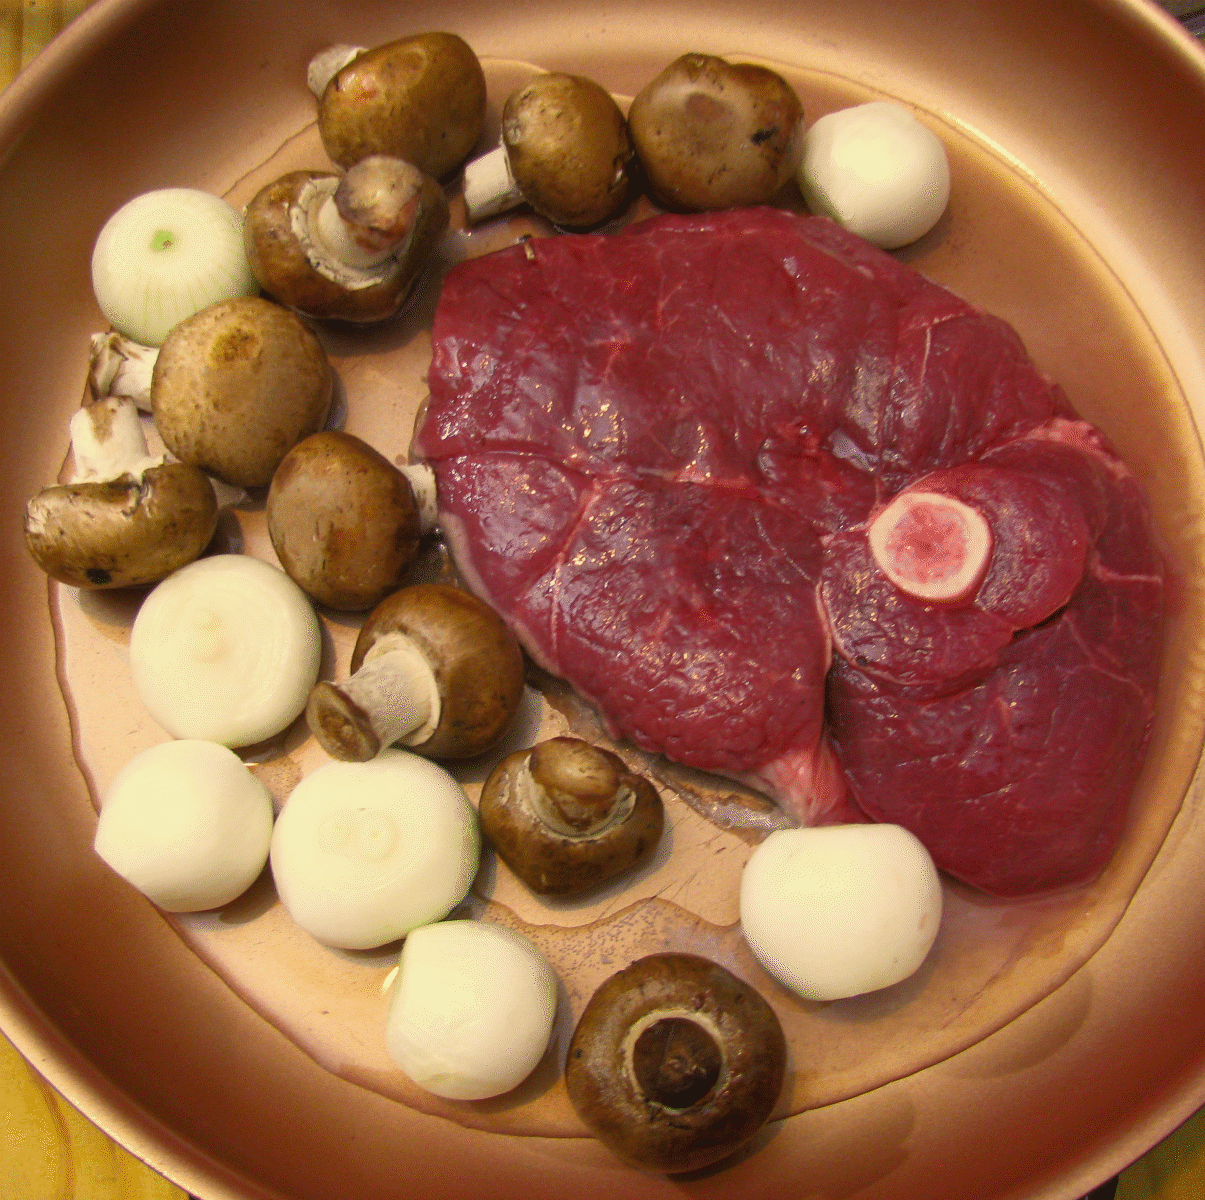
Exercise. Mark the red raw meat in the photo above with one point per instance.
(657, 453)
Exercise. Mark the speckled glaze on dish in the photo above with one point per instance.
(1047, 1045)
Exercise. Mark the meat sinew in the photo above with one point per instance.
(660, 454)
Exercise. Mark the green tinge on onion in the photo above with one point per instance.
(166, 255)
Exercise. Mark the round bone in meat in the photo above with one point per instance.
(932, 546)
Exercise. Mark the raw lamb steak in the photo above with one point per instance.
(658, 454)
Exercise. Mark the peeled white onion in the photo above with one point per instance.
(164, 256)
(840, 910)
(227, 650)
(364, 852)
(187, 824)
(472, 1009)
(877, 171)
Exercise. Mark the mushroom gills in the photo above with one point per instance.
(675, 1058)
(567, 816)
(675, 1062)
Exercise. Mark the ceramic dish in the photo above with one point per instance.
(1046, 1045)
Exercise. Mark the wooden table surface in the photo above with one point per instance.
(48, 1151)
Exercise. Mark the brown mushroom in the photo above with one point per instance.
(675, 1063)
(565, 151)
(127, 518)
(433, 668)
(420, 98)
(713, 134)
(237, 385)
(347, 248)
(343, 520)
(566, 815)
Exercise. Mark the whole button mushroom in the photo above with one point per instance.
(420, 98)
(344, 521)
(433, 668)
(675, 1063)
(713, 134)
(565, 151)
(348, 248)
(237, 385)
(566, 816)
(127, 518)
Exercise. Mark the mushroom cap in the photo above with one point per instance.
(237, 385)
(563, 861)
(342, 519)
(732, 1062)
(421, 98)
(292, 269)
(476, 660)
(568, 147)
(713, 134)
(122, 532)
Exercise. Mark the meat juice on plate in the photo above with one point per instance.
(1002, 246)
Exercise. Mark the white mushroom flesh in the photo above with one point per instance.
(226, 649)
(932, 546)
(164, 256)
(108, 441)
(489, 186)
(326, 64)
(187, 824)
(119, 366)
(840, 910)
(876, 170)
(340, 240)
(397, 688)
(472, 1009)
(365, 852)
(422, 483)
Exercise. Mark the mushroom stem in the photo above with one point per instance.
(326, 64)
(107, 441)
(120, 366)
(421, 479)
(372, 213)
(393, 697)
(489, 186)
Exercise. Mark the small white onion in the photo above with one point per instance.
(840, 910)
(472, 1009)
(227, 650)
(164, 256)
(876, 170)
(187, 824)
(365, 852)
